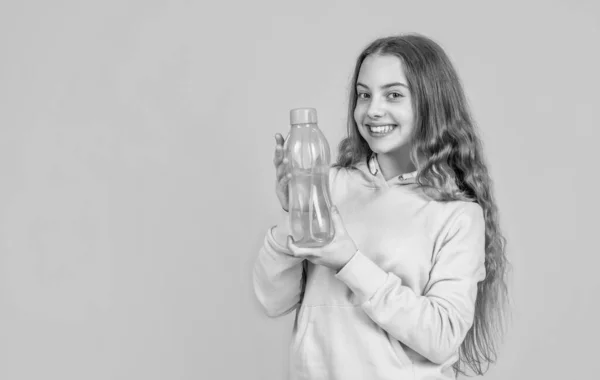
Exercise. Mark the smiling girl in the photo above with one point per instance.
(413, 284)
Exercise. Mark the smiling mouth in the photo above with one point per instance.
(380, 130)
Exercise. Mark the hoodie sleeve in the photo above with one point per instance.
(433, 324)
(277, 276)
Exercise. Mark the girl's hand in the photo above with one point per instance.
(335, 254)
(282, 173)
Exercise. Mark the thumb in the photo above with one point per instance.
(335, 215)
(291, 244)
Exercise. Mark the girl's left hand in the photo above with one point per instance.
(335, 254)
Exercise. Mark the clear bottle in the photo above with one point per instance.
(308, 155)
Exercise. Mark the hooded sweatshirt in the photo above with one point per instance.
(403, 304)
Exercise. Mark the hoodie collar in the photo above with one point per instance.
(371, 167)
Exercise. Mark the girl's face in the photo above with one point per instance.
(384, 113)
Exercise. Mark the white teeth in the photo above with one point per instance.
(381, 129)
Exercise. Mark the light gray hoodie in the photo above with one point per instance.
(401, 307)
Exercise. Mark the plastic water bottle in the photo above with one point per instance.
(308, 155)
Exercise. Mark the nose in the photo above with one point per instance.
(375, 110)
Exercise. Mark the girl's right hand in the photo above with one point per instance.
(282, 171)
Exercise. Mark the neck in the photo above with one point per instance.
(395, 163)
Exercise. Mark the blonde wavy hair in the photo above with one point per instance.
(451, 167)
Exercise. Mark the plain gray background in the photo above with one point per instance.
(136, 143)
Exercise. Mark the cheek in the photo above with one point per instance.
(405, 116)
(357, 115)
(410, 120)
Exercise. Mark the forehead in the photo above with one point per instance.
(380, 69)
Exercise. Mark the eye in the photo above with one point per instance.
(394, 95)
(362, 95)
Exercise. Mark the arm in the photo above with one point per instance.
(277, 275)
(436, 323)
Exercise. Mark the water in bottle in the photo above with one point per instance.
(308, 154)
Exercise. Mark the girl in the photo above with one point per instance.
(412, 286)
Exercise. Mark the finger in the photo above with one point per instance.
(335, 215)
(282, 170)
(278, 156)
(284, 180)
(336, 218)
(279, 139)
(298, 251)
(290, 245)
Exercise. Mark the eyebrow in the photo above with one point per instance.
(385, 85)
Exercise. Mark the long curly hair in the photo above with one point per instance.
(448, 153)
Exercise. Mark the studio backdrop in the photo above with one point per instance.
(137, 183)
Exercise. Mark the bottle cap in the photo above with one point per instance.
(303, 116)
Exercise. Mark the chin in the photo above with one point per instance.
(386, 147)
